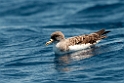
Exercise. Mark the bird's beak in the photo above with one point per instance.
(49, 42)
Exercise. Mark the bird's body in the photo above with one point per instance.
(72, 44)
(57, 49)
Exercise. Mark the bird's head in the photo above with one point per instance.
(56, 37)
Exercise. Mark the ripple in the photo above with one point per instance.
(25, 8)
(102, 9)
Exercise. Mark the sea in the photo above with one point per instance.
(26, 25)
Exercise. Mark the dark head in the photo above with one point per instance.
(56, 37)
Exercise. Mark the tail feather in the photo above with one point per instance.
(106, 32)
(102, 32)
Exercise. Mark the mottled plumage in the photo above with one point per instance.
(62, 45)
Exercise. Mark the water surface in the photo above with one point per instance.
(26, 25)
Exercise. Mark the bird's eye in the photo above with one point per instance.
(56, 35)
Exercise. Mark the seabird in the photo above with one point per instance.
(76, 43)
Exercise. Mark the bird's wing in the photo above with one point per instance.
(89, 38)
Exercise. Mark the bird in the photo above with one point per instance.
(62, 45)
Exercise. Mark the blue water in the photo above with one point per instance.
(25, 26)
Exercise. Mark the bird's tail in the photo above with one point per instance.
(102, 32)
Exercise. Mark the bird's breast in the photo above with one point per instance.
(58, 49)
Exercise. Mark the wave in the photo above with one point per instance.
(101, 10)
(25, 9)
(100, 13)
(95, 26)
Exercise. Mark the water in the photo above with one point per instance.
(25, 26)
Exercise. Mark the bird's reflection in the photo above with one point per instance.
(63, 62)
